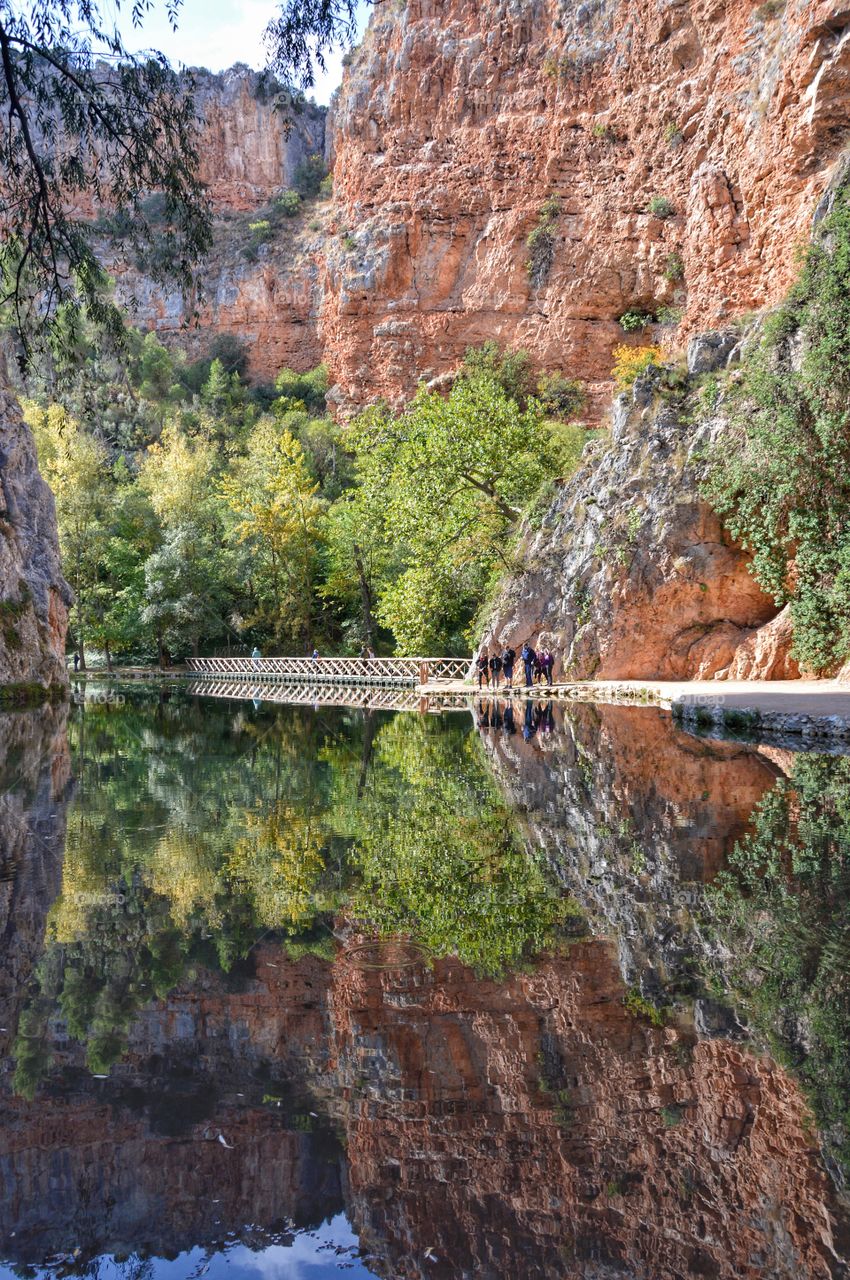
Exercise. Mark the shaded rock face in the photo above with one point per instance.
(457, 120)
(249, 151)
(631, 573)
(250, 148)
(34, 597)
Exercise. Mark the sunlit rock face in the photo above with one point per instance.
(458, 120)
(34, 597)
(537, 1120)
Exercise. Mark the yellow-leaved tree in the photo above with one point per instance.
(277, 525)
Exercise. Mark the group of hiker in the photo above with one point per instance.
(537, 664)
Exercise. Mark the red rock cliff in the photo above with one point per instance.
(459, 118)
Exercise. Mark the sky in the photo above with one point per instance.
(217, 33)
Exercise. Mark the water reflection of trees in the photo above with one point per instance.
(198, 830)
(781, 913)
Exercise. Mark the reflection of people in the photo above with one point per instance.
(255, 656)
(529, 725)
(509, 718)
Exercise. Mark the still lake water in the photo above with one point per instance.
(301, 993)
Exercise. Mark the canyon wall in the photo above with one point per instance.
(250, 149)
(34, 597)
(458, 119)
(631, 573)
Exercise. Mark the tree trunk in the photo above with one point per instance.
(81, 650)
(108, 656)
(160, 652)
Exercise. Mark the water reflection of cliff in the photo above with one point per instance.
(489, 1126)
(532, 1123)
(34, 789)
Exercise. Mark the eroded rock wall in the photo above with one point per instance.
(34, 597)
(631, 573)
(250, 149)
(459, 118)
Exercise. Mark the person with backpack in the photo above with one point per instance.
(495, 670)
(528, 659)
(508, 660)
(482, 662)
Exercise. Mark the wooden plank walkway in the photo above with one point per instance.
(408, 673)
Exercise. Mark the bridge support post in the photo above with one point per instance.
(423, 672)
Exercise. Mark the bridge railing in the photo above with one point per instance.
(404, 672)
(300, 693)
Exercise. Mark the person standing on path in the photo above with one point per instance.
(528, 657)
(508, 660)
(495, 670)
(255, 657)
(482, 662)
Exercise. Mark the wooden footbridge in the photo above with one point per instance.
(394, 673)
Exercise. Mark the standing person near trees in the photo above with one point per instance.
(528, 659)
(482, 662)
(508, 660)
(495, 670)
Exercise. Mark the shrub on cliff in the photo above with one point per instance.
(630, 361)
(780, 477)
(540, 242)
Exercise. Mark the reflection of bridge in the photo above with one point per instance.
(368, 698)
(396, 672)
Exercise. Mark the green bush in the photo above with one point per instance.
(668, 316)
(632, 321)
(674, 267)
(326, 187)
(780, 477)
(288, 203)
(540, 242)
(560, 396)
(673, 133)
(308, 176)
(661, 207)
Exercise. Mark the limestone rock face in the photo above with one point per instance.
(249, 152)
(632, 574)
(458, 119)
(250, 148)
(34, 597)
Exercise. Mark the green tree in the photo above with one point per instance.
(278, 519)
(453, 475)
(76, 466)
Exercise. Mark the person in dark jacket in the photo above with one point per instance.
(495, 669)
(482, 662)
(528, 658)
(508, 660)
